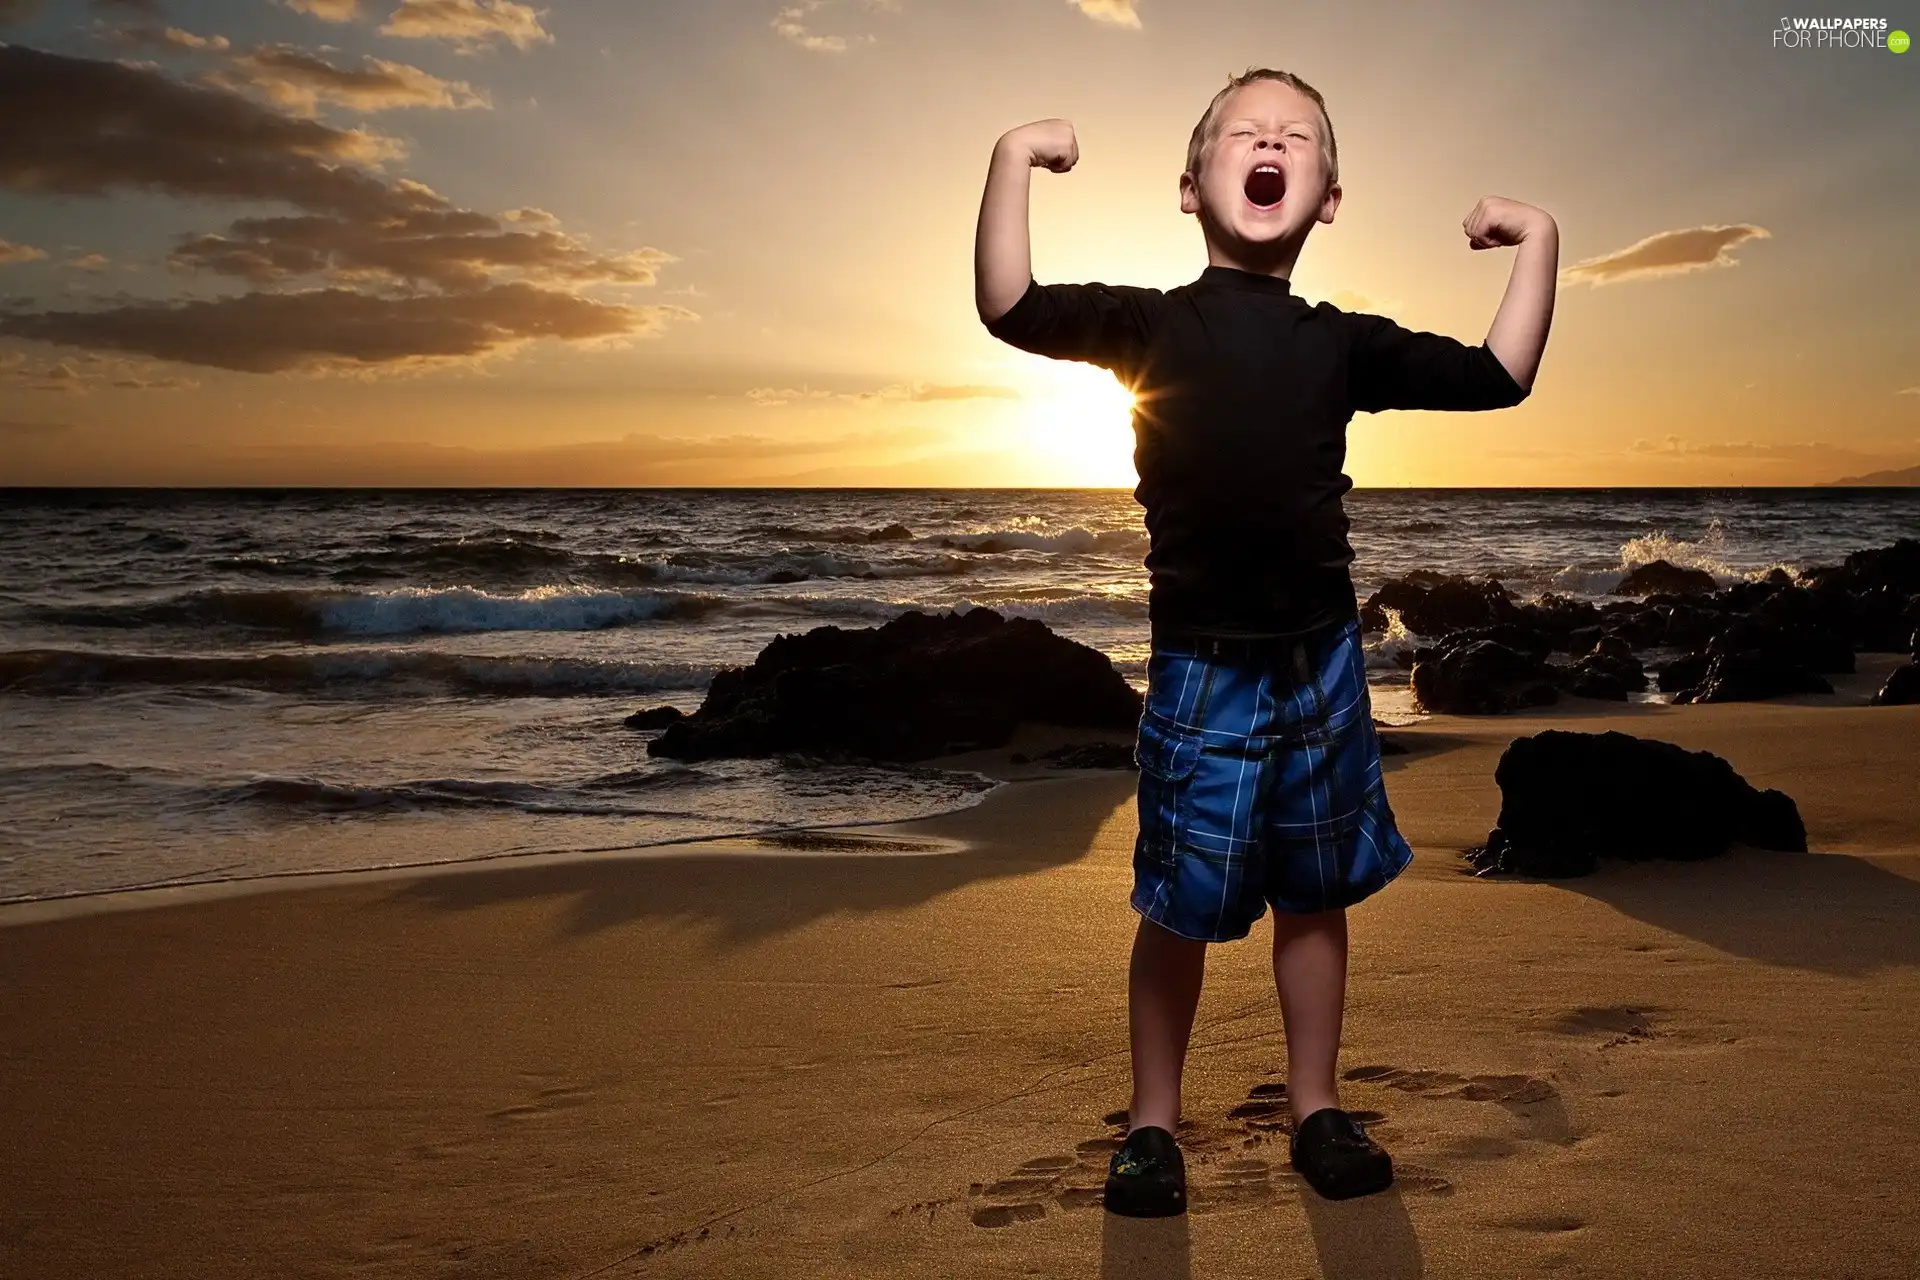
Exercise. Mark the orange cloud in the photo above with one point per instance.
(326, 10)
(1666, 253)
(794, 22)
(469, 24)
(920, 392)
(1120, 13)
(300, 81)
(11, 253)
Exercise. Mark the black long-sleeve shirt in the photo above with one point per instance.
(1242, 395)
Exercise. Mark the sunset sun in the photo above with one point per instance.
(1082, 417)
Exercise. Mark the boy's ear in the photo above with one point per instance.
(1331, 203)
(1189, 193)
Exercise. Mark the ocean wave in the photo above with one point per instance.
(344, 673)
(1708, 553)
(299, 795)
(492, 563)
(403, 611)
(834, 533)
(1076, 610)
(1075, 541)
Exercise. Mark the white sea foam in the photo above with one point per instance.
(414, 610)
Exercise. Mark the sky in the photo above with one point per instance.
(443, 242)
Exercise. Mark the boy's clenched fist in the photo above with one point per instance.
(1498, 221)
(1048, 143)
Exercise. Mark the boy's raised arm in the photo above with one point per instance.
(1518, 335)
(1393, 367)
(1002, 261)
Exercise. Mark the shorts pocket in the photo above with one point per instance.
(1165, 751)
(1167, 757)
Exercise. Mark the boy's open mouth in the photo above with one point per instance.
(1265, 185)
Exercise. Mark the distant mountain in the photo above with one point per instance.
(1905, 475)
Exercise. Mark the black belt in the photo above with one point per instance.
(1229, 647)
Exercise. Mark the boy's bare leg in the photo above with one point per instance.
(1163, 989)
(1310, 973)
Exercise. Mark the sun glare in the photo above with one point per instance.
(1083, 419)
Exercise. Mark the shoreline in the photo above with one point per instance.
(1849, 690)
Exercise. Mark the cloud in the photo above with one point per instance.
(339, 329)
(145, 8)
(89, 262)
(326, 10)
(300, 81)
(87, 373)
(794, 22)
(168, 38)
(1810, 451)
(91, 127)
(1904, 391)
(1349, 300)
(497, 283)
(11, 253)
(917, 392)
(455, 249)
(1666, 253)
(1120, 13)
(80, 375)
(469, 24)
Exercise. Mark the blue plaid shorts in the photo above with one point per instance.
(1260, 783)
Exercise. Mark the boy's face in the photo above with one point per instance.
(1263, 175)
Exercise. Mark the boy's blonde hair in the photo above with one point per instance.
(1203, 132)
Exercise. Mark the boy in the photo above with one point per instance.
(1260, 779)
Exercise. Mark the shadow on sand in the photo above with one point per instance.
(1831, 912)
(1370, 1238)
(791, 886)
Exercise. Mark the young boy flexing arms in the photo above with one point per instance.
(1260, 777)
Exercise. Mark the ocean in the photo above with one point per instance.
(208, 685)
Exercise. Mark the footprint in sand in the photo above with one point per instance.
(1065, 1181)
(1533, 1100)
(1619, 1023)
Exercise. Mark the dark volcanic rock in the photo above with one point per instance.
(1751, 675)
(1432, 604)
(654, 718)
(921, 686)
(1662, 577)
(1560, 617)
(1610, 671)
(1902, 688)
(1793, 644)
(1684, 672)
(1481, 677)
(1566, 799)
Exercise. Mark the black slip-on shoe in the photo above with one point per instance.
(1337, 1158)
(1147, 1177)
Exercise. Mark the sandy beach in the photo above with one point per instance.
(901, 1051)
